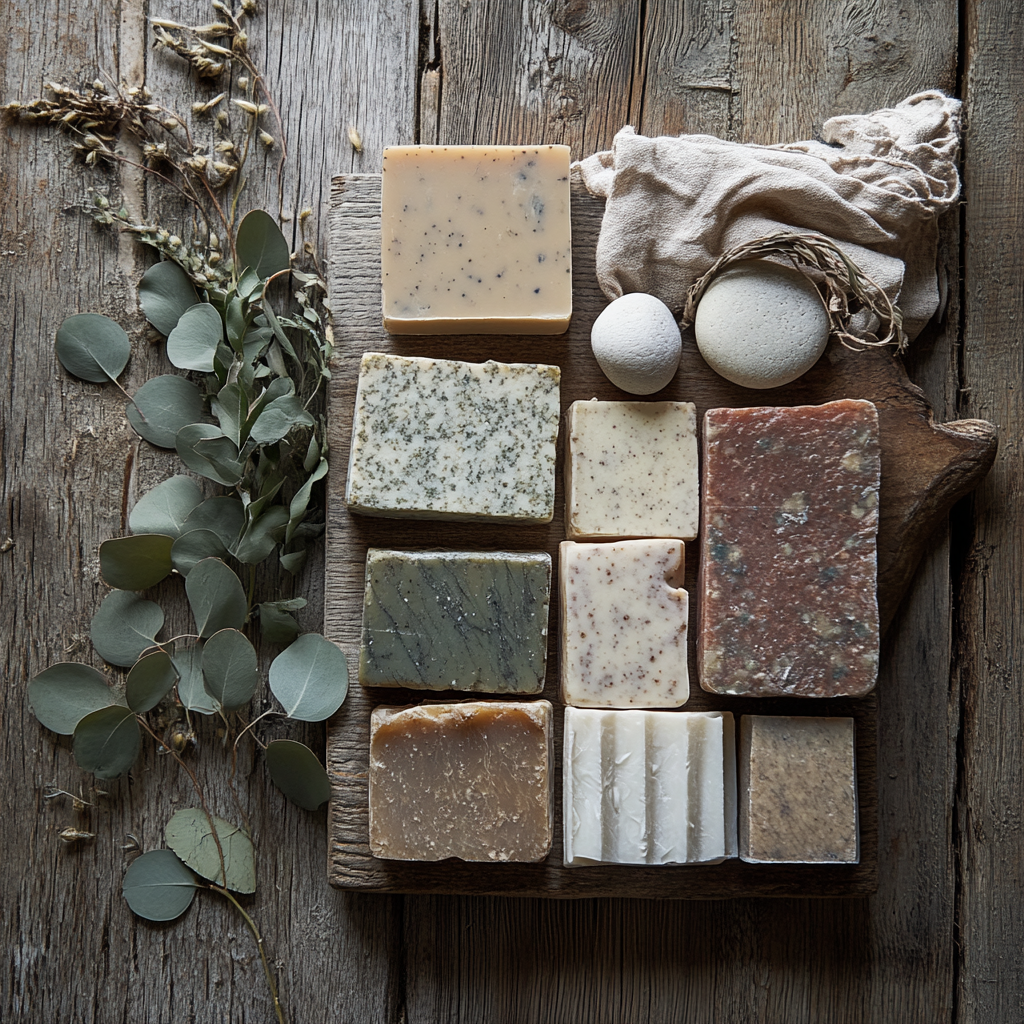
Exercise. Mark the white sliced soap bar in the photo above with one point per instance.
(648, 787)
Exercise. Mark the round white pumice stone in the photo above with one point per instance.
(637, 344)
(761, 325)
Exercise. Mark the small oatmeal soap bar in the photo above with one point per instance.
(648, 787)
(472, 781)
(788, 557)
(798, 790)
(442, 439)
(476, 240)
(456, 620)
(624, 624)
(631, 470)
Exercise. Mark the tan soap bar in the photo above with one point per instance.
(471, 780)
(476, 240)
(798, 790)
(631, 470)
(624, 623)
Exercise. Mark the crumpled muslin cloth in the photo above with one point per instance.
(875, 186)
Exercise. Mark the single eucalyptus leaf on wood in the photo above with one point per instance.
(63, 694)
(194, 340)
(190, 836)
(294, 561)
(206, 451)
(262, 536)
(166, 507)
(277, 418)
(192, 547)
(166, 293)
(107, 741)
(276, 625)
(93, 347)
(310, 678)
(223, 515)
(157, 886)
(162, 406)
(229, 669)
(299, 504)
(149, 681)
(137, 562)
(124, 627)
(260, 246)
(216, 597)
(298, 773)
(231, 408)
(191, 690)
(287, 604)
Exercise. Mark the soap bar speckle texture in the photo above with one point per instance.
(623, 624)
(471, 780)
(476, 239)
(631, 470)
(457, 620)
(443, 439)
(788, 558)
(798, 790)
(648, 787)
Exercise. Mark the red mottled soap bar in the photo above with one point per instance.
(789, 518)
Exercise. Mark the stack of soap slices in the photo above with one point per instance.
(477, 240)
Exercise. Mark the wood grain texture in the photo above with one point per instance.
(990, 650)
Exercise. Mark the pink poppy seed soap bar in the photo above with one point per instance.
(788, 577)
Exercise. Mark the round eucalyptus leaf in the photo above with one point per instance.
(107, 741)
(216, 597)
(166, 507)
(277, 626)
(193, 342)
(298, 773)
(190, 836)
(261, 536)
(229, 669)
(206, 451)
(165, 293)
(310, 678)
(260, 246)
(62, 695)
(191, 691)
(277, 418)
(149, 681)
(92, 347)
(162, 406)
(124, 627)
(192, 547)
(223, 515)
(157, 886)
(137, 562)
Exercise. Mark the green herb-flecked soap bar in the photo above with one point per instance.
(444, 439)
(456, 620)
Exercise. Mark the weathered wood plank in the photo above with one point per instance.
(990, 652)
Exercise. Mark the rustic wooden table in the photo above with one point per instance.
(942, 940)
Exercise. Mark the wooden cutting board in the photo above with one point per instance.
(926, 467)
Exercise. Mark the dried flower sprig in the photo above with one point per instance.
(846, 288)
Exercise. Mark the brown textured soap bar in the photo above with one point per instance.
(471, 780)
(788, 551)
(797, 791)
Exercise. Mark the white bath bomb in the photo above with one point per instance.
(761, 325)
(636, 342)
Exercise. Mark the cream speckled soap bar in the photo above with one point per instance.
(443, 439)
(631, 470)
(623, 624)
(476, 240)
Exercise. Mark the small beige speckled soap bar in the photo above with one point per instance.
(798, 790)
(623, 624)
(631, 470)
(444, 439)
(471, 780)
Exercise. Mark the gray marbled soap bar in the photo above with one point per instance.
(456, 620)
